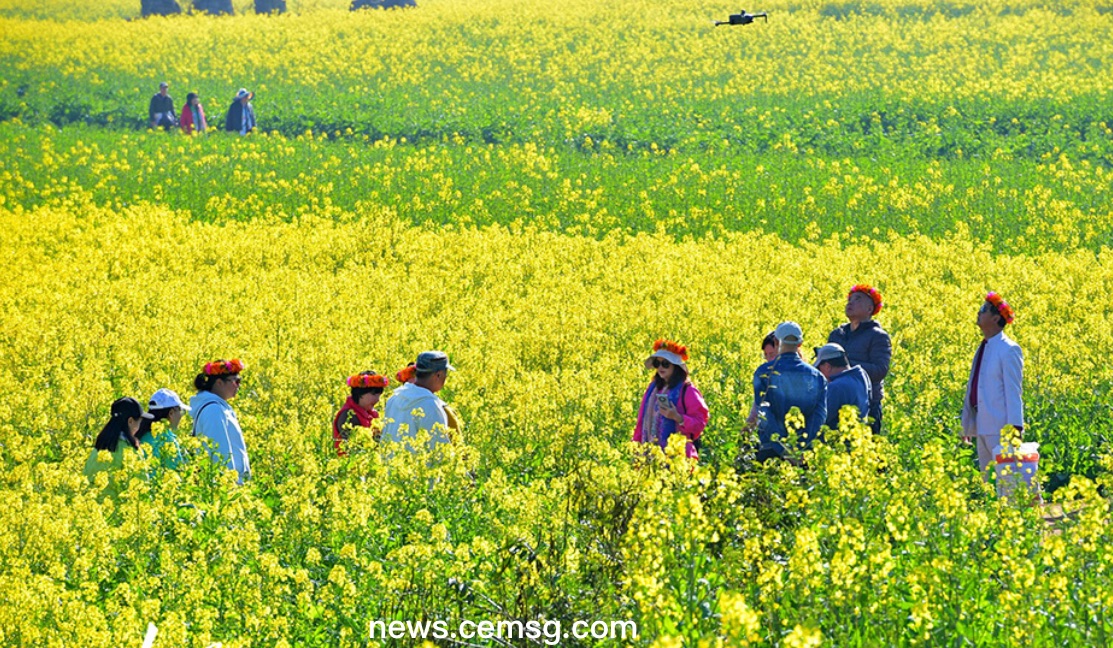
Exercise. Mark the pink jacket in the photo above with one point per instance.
(693, 409)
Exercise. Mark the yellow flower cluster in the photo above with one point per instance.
(544, 507)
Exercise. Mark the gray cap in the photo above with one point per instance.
(433, 361)
(164, 85)
(789, 333)
(829, 351)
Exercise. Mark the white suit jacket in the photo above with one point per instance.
(999, 389)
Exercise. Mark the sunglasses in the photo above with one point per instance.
(658, 363)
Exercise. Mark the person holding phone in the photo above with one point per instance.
(671, 404)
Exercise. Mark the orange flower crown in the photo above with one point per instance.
(672, 347)
(366, 381)
(223, 367)
(407, 373)
(1002, 306)
(873, 293)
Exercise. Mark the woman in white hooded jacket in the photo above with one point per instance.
(214, 418)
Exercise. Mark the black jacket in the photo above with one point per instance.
(871, 348)
(233, 121)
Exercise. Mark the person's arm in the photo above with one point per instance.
(238, 447)
(348, 423)
(639, 426)
(819, 415)
(880, 355)
(1012, 371)
(695, 416)
(833, 403)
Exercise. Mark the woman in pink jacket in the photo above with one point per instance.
(193, 115)
(671, 403)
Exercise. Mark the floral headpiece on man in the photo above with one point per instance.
(368, 381)
(1002, 306)
(872, 292)
(223, 367)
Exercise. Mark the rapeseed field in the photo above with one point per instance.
(542, 191)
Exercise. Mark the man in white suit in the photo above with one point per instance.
(993, 393)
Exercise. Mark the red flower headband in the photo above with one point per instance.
(368, 381)
(873, 293)
(406, 374)
(223, 367)
(672, 347)
(1002, 306)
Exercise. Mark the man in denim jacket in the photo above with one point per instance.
(783, 383)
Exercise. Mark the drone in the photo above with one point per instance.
(742, 18)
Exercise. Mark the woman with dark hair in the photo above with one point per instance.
(165, 405)
(671, 403)
(118, 435)
(215, 419)
(359, 410)
(193, 115)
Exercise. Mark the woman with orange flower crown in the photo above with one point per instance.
(671, 404)
(866, 343)
(407, 375)
(215, 419)
(359, 410)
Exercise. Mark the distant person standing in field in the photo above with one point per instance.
(994, 391)
(846, 384)
(193, 115)
(241, 114)
(161, 110)
(671, 404)
(213, 417)
(866, 343)
(165, 405)
(782, 384)
(415, 408)
(359, 410)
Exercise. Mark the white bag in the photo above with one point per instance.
(1016, 465)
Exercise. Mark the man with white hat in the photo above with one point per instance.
(414, 408)
(241, 114)
(846, 385)
(782, 384)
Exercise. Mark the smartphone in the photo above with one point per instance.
(662, 400)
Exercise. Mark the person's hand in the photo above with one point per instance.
(751, 422)
(668, 411)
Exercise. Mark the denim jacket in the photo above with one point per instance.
(781, 384)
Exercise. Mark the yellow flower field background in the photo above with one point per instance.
(541, 191)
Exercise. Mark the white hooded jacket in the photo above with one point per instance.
(412, 408)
